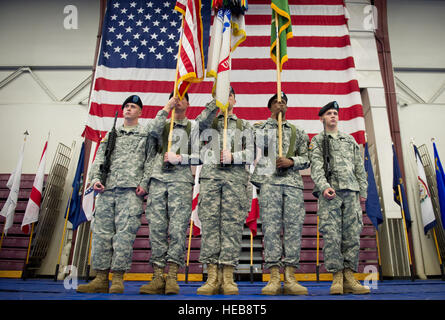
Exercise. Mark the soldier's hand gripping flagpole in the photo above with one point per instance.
(281, 30)
(168, 165)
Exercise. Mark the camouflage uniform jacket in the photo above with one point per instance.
(182, 171)
(242, 151)
(265, 170)
(348, 172)
(127, 160)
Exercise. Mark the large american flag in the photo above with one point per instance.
(138, 56)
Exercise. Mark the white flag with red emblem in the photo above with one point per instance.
(33, 206)
(13, 184)
(227, 33)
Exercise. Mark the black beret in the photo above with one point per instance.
(133, 99)
(330, 105)
(275, 96)
(186, 96)
(231, 91)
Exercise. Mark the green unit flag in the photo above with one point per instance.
(280, 9)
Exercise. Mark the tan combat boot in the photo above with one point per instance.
(273, 287)
(351, 285)
(117, 282)
(171, 284)
(337, 283)
(211, 286)
(157, 283)
(99, 284)
(291, 286)
(220, 278)
(228, 286)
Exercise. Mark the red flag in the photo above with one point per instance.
(195, 218)
(191, 59)
(33, 206)
(254, 213)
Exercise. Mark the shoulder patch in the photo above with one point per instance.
(258, 124)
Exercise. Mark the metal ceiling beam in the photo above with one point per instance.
(77, 89)
(419, 69)
(408, 90)
(437, 94)
(21, 69)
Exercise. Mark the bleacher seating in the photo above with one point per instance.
(15, 244)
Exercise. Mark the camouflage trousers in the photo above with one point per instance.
(341, 224)
(281, 208)
(169, 207)
(223, 207)
(116, 221)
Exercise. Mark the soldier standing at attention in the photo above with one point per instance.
(119, 203)
(169, 206)
(223, 202)
(340, 183)
(281, 196)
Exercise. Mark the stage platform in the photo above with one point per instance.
(45, 289)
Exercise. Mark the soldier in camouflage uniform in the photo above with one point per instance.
(169, 206)
(339, 207)
(223, 201)
(119, 202)
(281, 196)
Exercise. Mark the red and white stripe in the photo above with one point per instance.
(320, 69)
(191, 61)
(33, 206)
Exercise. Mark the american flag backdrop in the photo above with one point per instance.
(138, 56)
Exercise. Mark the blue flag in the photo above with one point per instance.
(373, 208)
(398, 181)
(76, 215)
(440, 178)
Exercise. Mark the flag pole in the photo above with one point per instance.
(175, 93)
(87, 275)
(378, 254)
(25, 267)
(406, 234)
(188, 253)
(3, 234)
(278, 63)
(438, 256)
(317, 266)
(251, 257)
(63, 236)
(225, 129)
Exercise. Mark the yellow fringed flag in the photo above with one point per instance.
(281, 7)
